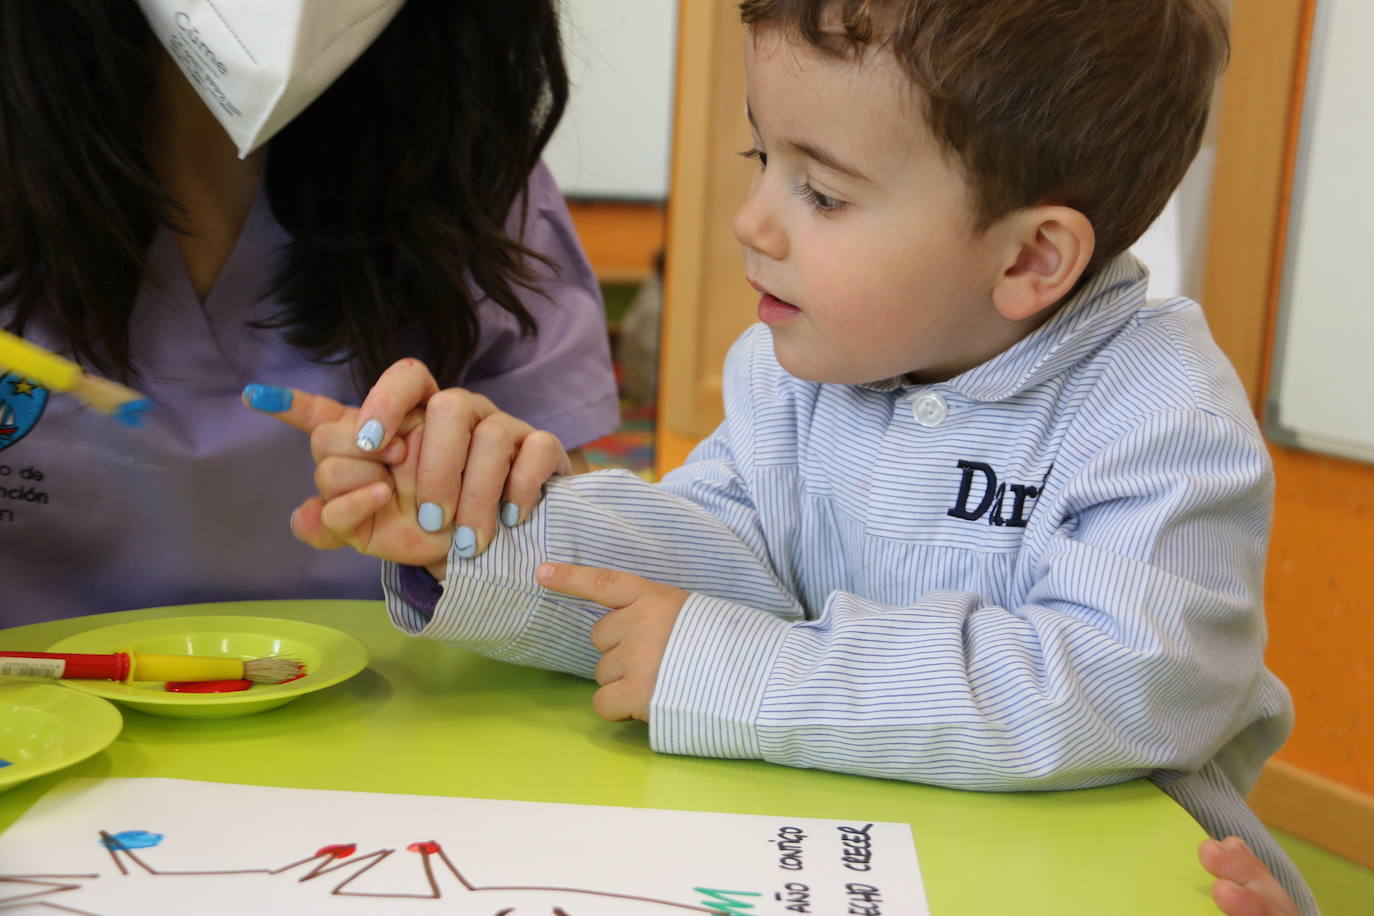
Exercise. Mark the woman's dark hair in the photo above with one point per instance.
(395, 185)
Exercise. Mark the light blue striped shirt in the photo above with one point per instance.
(1044, 573)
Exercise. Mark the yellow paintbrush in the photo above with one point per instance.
(57, 374)
(129, 666)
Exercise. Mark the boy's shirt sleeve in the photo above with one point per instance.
(612, 519)
(701, 534)
(1136, 650)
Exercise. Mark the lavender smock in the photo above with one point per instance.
(194, 506)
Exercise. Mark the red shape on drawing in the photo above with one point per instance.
(337, 850)
(208, 686)
(429, 847)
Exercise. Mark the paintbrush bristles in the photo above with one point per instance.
(272, 670)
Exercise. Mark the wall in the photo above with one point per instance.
(1321, 611)
(1321, 617)
(613, 140)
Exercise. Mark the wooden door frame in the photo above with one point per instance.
(706, 303)
(1257, 137)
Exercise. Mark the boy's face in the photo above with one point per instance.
(857, 231)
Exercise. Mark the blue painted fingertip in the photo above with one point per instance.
(510, 514)
(465, 541)
(267, 398)
(430, 516)
(370, 436)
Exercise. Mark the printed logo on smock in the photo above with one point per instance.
(21, 404)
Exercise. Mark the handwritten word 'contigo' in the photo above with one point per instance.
(789, 843)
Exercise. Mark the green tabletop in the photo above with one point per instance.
(428, 719)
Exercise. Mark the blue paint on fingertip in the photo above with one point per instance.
(131, 839)
(510, 514)
(133, 413)
(267, 398)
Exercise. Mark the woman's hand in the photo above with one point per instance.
(414, 469)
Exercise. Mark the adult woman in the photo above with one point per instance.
(403, 213)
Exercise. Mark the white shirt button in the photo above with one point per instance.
(929, 409)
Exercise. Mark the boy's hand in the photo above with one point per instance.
(1244, 887)
(631, 638)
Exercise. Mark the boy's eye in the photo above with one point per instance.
(816, 200)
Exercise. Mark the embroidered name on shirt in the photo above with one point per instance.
(994, 496)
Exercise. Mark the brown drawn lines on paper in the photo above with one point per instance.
(35, 892)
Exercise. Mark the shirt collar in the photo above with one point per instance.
(1094, 314)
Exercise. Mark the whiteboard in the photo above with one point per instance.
(1321, 394)
(613, 140)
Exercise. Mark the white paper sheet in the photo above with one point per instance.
(214, 848)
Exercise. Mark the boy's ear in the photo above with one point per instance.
(1050, 247)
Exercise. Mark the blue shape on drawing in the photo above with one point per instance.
(131, 839)
(4, 763)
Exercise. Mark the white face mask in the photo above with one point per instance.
(259, 63)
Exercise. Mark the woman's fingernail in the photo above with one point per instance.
(431, 517)
(267, 398)
(510, 514)
(465, 541)
(370, 436)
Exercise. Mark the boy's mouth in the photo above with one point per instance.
(773, 310)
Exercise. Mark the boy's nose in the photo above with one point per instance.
(757, 228)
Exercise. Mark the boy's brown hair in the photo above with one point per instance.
(1099, 105)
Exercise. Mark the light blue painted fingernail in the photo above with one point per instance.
(267, 398)
(370, 436)
(510, 514)
(465, 541)
(431, 517)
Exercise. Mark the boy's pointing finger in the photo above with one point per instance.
(606, 587)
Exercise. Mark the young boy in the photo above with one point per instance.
(979, 514)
